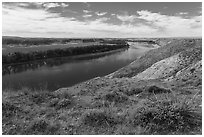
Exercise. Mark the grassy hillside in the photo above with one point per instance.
(171, 48)
(119, 105)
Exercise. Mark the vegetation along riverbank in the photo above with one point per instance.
(18, 50)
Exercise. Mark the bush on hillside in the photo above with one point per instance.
(133, 91)
(99, 117)
(115, 97)
(167, 115)
(157, 90)
(42, 126)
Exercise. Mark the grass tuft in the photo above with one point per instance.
(42, 126)
(133, 91)
(115, 97)
(8, 109)
(39, 98)
(158, 90)
(99, 117)
(65, 103)
(163, 116)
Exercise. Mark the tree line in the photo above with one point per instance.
(46, 41)
(18, 57)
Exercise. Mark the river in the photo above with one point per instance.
(55, 73)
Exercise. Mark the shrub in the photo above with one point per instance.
(65, 103)
(134, 91)
(8, 109)
(99, 117)
(41, 97)
(158, 90)
(53, 102)
(39, 125)
(177, 115)
(115, 97)
(42, 126)
(61, 100)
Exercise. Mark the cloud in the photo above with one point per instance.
(49, 5)
(23, 4)
(42, 23)
(183, 13)
(64, 5)
(87, 15)
(173, 25)
(101, 13)
(128, 18)
(87, 11)
(87, 4)
(101, 19)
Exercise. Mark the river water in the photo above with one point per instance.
(55, 73)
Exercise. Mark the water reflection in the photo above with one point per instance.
(17, 68)
(63, 72)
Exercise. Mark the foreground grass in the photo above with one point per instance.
(153, 110)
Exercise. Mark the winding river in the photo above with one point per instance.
(55, 73)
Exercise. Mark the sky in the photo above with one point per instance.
(102, 19)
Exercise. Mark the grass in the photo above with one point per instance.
(133, 91)
(157, 90)
(33, 112)
(115, 97)
(155, 55)
(99, 117)
(44, 112)
(168, 114)
(43, 127)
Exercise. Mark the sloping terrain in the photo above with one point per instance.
(170, 66)
(159, 93)
(171, 48)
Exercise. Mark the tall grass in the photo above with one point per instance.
(165, 113)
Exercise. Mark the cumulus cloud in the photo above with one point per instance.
(173, 25)
(87, 15)
(101, 13)
(183, 13)
(129, 18)
(53, 5)
(42, 23)
(87, 11)
(23, 4)
(64, 5)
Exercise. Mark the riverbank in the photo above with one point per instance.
(127, 103)
(84, 56)
(18, 57)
